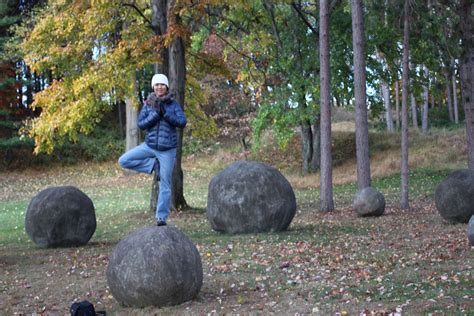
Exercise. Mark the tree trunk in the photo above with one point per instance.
(433, 101)
(388, 107)
(414, 112)
(132, 133)
(385, 92)
(404, 131)
(131, 116)
(19, 89)
(159, 24)
(449, 99)
(177, 71)
(397, 104)
(362, 129)
(424, 117)
(316, 156)
(307, 146)
(326, 194)
(455, 99)
(29, 86)
(467, 75)
(338, 102)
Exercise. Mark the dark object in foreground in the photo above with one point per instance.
(250, 197)
(85, 308)
(454, 196)
(60, 217)
(155, 266)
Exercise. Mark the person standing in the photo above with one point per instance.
(160, 115)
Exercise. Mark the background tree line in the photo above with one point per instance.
(72, 66)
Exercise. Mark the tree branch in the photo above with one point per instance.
(204, 60)
(228, 43)
(269, 9)
(235, 24)
(125, 4)
(303, 17)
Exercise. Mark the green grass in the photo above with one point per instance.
(422, 184)
(12, 219)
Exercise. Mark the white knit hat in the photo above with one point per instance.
(159, 78)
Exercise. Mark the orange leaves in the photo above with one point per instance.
(176, 30)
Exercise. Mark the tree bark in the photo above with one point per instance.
(131, 138)
(414, 112)
(388, 107)
(19, 89)
(159, 23)
(177, 72)
(467, 75)
(404, 131)
(397, 104)
(307, 146)
(362, 129)
(385, 92)
(455, 99)
(316, 156)
(449, 99)
(131, 117)
(433, 101)
(310, 134)
(424, 117)
(326, 193)
(29, 85)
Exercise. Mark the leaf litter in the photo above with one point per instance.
(407, 261)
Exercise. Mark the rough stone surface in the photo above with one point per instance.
(250, 197)
(454, 196)
(60, 217)
(155, 266)
(470, 231)
(369, 202)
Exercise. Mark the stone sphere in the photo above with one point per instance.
(250, 197)
(470, 231)
(454, 196)
(155, 266)
(369, 202)
(60, 217)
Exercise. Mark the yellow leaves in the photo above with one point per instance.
(68, 107)
(93, 46)
(76, 40)
(199, 124)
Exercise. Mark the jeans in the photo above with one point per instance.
(142, 159)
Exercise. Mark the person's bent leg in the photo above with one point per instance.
(141, 159)
(166, 159)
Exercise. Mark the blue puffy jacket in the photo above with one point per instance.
(161, 130)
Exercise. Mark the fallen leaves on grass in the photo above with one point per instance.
(351, 260)
(407, 261)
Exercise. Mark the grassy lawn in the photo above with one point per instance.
(407, 261)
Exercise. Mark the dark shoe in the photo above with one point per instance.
(160, 223)
(156, 170)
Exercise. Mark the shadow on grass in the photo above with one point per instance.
(195, 210)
